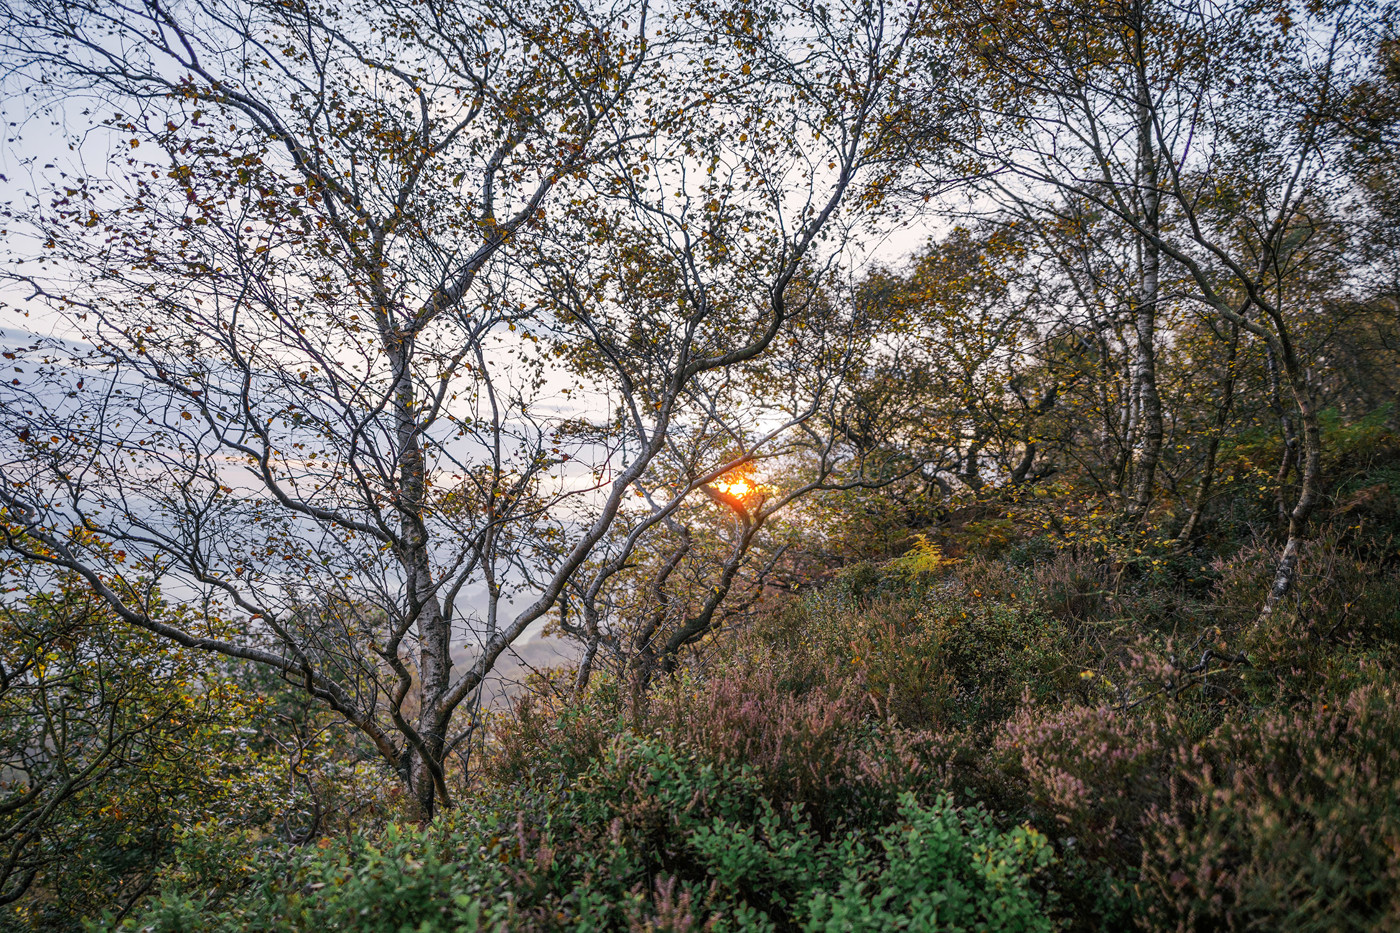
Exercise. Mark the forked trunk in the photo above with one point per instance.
(1309, 477)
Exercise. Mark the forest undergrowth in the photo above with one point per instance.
(1013, 732)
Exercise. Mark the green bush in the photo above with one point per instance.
(651, 837)
(405, 881)
(943, 869)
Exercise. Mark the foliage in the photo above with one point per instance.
(115, 743)
(943, 871)
(1286, 821)
(648, 838)
(402, 882)
(866, 756)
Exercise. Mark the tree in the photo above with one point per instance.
(1072, 117)
(1149, 112)
(710, 300)
(348, 267)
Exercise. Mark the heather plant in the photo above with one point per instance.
(957, 655)
(547, 736)
(1290, 820)
(804, 748)
(1072, 587)
(1367, 503)
(1086, 775)
(885, 646)
(1087, 769)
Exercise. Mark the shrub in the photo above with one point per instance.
(962, 654)
(1288, 821)
(544, 737)
(1092, 771)
(996, 654)
(804, 777)
(803, 748)
(1072, 588)
(649, 838)
(943, 869)
(404, 881)
(1342, 613)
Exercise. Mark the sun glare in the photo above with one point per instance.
(738, 487)
(739, 483)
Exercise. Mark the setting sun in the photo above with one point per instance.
(738, 486)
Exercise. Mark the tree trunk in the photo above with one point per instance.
(1128, 428)
(426, 738)
(1286, 429)
(1309, 476)
(1147, 453)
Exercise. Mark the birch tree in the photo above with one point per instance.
(1201, 129)
(349, 292)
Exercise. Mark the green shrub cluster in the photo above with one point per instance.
(647, 838)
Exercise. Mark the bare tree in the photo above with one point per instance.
(349, 276)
